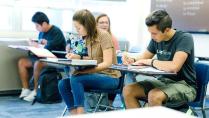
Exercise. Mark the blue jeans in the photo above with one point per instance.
(72, 89)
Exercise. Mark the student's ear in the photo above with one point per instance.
(44, 24)
(167, 30)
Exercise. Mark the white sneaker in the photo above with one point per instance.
(31, 96)
(24, 93)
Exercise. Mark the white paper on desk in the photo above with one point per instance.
(136, 67)
(148, 69)
(41, 52)
(75, 62)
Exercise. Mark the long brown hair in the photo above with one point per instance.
(86, 18)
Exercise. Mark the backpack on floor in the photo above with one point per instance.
(47, 91)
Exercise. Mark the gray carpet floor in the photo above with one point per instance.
(13, 107)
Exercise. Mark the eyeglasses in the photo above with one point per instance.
(103, 22)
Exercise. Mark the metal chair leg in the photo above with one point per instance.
(98, 103)
(203, 113)
(64, 111)
(123, 101)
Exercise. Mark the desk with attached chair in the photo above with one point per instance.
(118, 90)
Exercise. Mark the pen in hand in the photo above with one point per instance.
(126, 59)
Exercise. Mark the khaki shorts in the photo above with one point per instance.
(178, 93)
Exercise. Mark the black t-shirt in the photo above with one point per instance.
(55, 39)
(165, 51)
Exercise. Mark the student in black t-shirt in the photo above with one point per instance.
(175, 53)
(51, 38)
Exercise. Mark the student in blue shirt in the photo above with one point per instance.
(51, 38)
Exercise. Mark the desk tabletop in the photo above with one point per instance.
(73, 62)
(148, 71)
(144, 71)
(203, 58)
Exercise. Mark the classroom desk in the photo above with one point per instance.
(203, 58)
(64, 62)
(149, 70)
(148, 112)
(122, 68)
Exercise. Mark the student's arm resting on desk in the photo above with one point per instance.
(174, 65)
(107, 62)
(168, 66)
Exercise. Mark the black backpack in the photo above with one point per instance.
(47, 91)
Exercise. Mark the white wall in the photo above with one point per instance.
(201, 42)
(137, 12)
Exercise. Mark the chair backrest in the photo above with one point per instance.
(202, 73)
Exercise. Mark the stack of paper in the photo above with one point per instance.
(83, 62)
(74, 62)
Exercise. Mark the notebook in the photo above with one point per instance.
(39, 52)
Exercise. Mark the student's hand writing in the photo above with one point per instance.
(43, 41)
(33, 43)
(127, 60)
(72, 56)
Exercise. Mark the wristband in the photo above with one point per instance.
(81, 56)
(152, 62)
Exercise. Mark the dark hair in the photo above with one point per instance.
(159, 18)
(86, 18)
(39, 18)
(104, 15)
